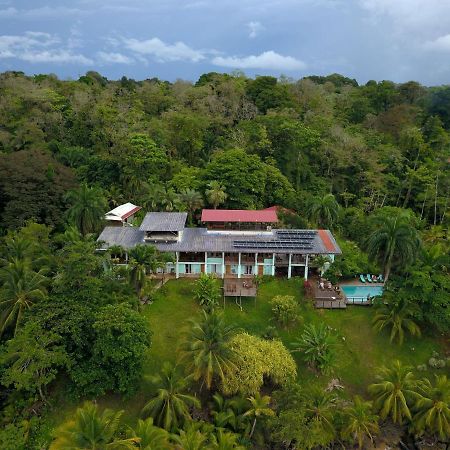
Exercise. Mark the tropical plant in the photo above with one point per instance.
(207, 291)
(92, 430)
(395, 392)
(318, 347)
(192, 200)
(205, 348)
(285, 309)
(150, 436)
(224, 440)
(432, 408)
(190, 438)
(398, 316)
(170, 406)
(259, 408)
(216, 194)
(360, 422)
(87, 208)
(324, 211)
(21, 288)
(394, 240)
(169, 200)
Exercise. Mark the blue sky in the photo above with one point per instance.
(399, 40)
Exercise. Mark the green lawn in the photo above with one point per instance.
(360, 349)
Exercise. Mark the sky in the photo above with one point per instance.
(398, 40)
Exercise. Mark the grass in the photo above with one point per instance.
(360, 349)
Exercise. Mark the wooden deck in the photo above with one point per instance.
(328, 299)
(236, 287)
(330, 304)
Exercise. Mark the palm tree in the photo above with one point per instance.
(361, 422)
(91, 430)
(216, 194)
(433, 408)
(320, 410)
(87, 208)
(318, 347)
(170, 406)
(190, 439)
(395, 392)
(324, 211)
(259, 408)
(394, 240)
(192, 200)
(150, 436)
(398, 317)
(169, 200)
(205, 348)
(21, 288)
(224, 440)
(143, 259)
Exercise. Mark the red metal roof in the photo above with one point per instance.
(130, 213)
(239, 215)
(326, 239)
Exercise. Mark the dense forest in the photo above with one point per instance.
(81, 365)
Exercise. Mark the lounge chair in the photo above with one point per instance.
(369, 278)
(380, 278)
(361, 277)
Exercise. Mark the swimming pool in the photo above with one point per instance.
(360, 293)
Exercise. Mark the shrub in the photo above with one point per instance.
(285, 310)
(207, 291)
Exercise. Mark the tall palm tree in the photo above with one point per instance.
(170, 406)
(361, 422)
(21, 288)
(205, 348)
(259, 408)
(433, 408)
(169, 200)
(320, 410)
(91, 430)
(324, 211)
(398, 316)
(87, 208)
(192, 200)
(150, 436)
(216, 194)
(395, 392)
(394, 240)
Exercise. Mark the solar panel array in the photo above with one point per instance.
(286, 239)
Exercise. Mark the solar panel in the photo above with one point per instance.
(283, 244)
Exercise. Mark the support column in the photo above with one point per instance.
(206, 262)
(177, 269)
(256, 264)
(239, 265)
(273, 264)
(306, 266)
(126, 257)
(223, 264)
(289, 266)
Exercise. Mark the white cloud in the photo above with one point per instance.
(39, 47)
(268, 60)
(441, 43)
(8, 12)
(164, 52)
(114, 58)
(43, 12)
(254, 28)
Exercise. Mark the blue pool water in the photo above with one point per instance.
(360, 293)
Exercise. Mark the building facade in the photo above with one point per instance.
(233, 243)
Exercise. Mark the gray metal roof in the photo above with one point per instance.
(164, 221)
(201, 240)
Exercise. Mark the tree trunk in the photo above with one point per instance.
(253, 428)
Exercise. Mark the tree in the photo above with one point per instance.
(257, 361)
(285, 309)
(206, 348)
(21, 288)
(397, 315)
(318, 347)
(223, 440)
(170, 406)
(259, 408)
(190, 438)
(207, 291)
(32, 359)
(216, 194)
(432, 408)
(323, 211)
(360, 422)
(150, 436)
(395, 392)
(394, 240)
(87, 209)
(92, 430)
(192, 200)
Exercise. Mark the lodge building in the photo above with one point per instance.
(231, 243)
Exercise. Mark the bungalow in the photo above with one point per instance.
(233, 243)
